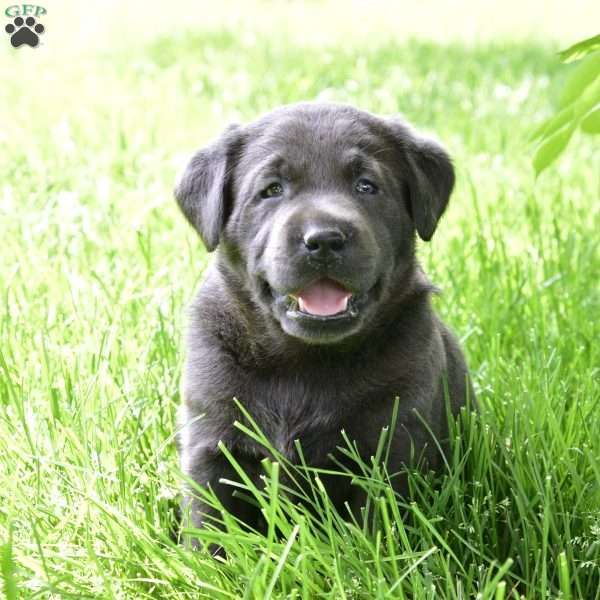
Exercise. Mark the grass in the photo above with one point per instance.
(96, 267)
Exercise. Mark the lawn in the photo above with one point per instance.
(97, 266)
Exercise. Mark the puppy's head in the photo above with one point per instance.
(316, 206)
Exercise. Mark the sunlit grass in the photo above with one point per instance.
(96, 267)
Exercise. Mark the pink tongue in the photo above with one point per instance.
(324, 298)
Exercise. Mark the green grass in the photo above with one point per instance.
(96, 268)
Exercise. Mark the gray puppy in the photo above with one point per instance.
(315, 313)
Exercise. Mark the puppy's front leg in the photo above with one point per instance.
(208, 467)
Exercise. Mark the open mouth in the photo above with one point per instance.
(324, 311)
(323, 299)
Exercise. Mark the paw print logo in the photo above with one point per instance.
(24, 31)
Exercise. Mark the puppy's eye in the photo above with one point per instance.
(364, 186)
(273, 190)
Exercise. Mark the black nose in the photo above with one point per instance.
(321, 241)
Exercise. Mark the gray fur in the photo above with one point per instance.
(306, 379)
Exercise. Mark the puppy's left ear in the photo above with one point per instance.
(430, 178)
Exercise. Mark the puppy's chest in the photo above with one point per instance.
(292, 412)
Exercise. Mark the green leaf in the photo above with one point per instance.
(581, 76)
(580, 49)
(550, 149)
(559, 120)
(570, 114)
(591, 96)
(591, 122)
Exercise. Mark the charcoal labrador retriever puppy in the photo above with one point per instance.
(314, 313)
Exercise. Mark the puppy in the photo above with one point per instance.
(315, 314)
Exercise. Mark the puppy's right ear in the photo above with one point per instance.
(203, 190)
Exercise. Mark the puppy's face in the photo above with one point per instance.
(315, 207)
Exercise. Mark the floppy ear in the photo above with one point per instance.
(203, 191)
(431, 178)
(431, 185)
